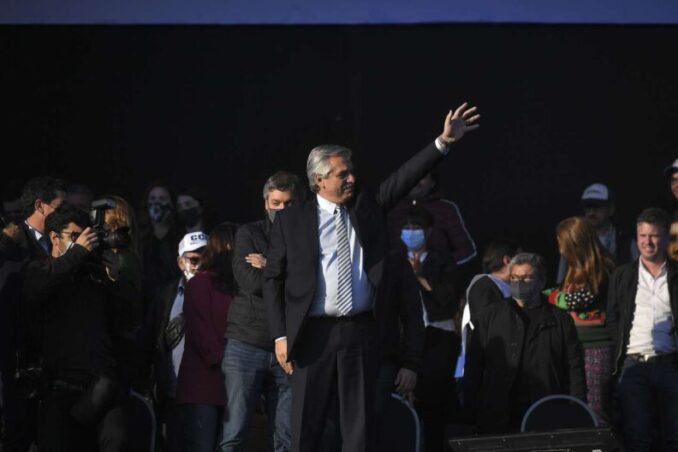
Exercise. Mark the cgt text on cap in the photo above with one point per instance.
(596, 192)
(669, 170)
(192, 241)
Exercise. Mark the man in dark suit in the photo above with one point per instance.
(324, 269)
(20, 244)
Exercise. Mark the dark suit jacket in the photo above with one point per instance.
(32, 248)
(18, 331)
(399, 315)
(621, 304)
(293, 256)
(440, 270)
(157, 352)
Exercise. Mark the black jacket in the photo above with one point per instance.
(156, 349)
(481, 295)
(621, 304)
(17, 343)
(83, 321)
(399, 315)
(293, 255)
(494, 359)
(440, 271)
(247, 321)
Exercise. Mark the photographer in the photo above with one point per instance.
(71, 296)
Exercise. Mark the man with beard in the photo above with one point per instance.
(249, 365)
(324, 267)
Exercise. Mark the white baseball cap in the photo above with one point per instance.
(596, 192)
(192, 241)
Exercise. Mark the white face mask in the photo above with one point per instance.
(70, 245)
(188, 274)
(190, 270)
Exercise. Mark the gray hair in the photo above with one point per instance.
(318, 163)
(535, 260)
(283, 181)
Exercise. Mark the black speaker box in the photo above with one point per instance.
(575, 440)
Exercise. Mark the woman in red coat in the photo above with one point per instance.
(200, 386)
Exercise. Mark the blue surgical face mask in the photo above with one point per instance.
(414, 239)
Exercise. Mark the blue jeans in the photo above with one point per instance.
(199, 427)
(249, 373)
(647, 391)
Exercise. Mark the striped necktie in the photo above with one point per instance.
(344, 269)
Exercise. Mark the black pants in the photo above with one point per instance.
(436, 395)
(336, 358)
(59, 432)
(19, 416)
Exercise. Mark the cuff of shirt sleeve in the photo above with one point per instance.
(281, 338)
(442, 147)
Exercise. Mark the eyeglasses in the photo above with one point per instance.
(195, 261)
(524, 278)
(73, 235)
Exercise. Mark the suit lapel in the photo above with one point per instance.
(35, 248)
(356, 225)
(310, 222)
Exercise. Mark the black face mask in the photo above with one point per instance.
(526, 292)
(189, 217)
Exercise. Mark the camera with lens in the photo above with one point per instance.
(119, 238)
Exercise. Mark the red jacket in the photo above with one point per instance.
(200, 379)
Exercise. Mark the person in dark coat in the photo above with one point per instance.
(20, 243)
(324, 267)
(521, 350)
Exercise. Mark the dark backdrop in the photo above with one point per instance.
(223, 107)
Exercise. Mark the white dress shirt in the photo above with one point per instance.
(325, 299)
(39, 236)
(652, 320)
